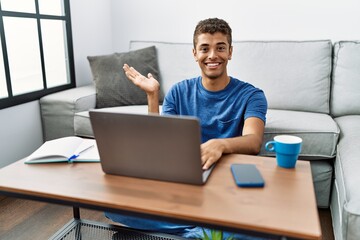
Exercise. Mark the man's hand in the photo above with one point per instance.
(248, 143)
(211, 152)
(149, 84)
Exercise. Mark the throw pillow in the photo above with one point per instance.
(113, 88)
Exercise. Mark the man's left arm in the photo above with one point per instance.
(249, 143)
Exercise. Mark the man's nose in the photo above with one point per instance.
(212, 54)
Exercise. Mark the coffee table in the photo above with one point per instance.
(286, 206)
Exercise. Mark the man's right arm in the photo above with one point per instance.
(149, 84)
(153, 102)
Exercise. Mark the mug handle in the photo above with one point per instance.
(270, 146)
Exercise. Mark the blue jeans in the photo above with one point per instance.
(186, 231)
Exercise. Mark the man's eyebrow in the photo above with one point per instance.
(204, 45)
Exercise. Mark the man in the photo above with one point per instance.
(231, 112)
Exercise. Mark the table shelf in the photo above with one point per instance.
(80, 229)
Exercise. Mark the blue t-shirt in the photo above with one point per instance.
(221, 113)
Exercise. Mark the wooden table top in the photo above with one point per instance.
(285, 206)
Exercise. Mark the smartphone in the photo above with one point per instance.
(247, 175)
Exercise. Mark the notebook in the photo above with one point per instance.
(165, 148)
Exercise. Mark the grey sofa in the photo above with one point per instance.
(313, 91)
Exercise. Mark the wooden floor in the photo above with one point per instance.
(24, 219)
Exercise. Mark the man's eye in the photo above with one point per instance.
(221, 49)
(204, 49)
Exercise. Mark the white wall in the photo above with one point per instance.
(104, 27)
(92, 34)
(174, 20)
(21, 133)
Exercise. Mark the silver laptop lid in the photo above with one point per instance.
(149, 146)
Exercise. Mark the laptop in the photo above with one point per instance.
(165, 148)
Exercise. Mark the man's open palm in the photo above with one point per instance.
(149, 84)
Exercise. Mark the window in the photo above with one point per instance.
(36, 50)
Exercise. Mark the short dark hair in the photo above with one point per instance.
(212, 25)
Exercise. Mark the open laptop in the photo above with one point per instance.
(156, 147)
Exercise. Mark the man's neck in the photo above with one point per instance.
(217, 84)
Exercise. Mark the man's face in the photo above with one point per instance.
(212, 52)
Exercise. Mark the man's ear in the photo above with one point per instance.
(230, 52)
(194, 54)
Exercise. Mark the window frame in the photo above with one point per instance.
(12, 100)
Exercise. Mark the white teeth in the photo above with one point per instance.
(212, 64)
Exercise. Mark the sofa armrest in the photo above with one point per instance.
(58, 110)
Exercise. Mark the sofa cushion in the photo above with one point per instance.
(112, 86)
(295, 75)
(176, 61)
(322, 172)
(345, 203)
(298, 71)
(346, 79)
(348, 153)
(318, 131)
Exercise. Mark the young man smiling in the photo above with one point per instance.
(231, 112)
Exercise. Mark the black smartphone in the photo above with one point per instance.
(247, 175)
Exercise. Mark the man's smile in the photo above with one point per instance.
(213, 64)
